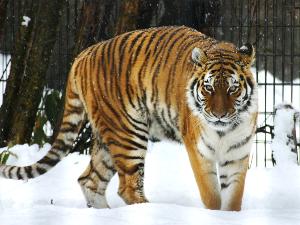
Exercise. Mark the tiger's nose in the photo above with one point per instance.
(220, 115)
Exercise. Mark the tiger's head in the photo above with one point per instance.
(222, 90)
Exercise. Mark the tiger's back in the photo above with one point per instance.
(167, 82)
(139, 72)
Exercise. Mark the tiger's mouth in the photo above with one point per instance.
(220, 124)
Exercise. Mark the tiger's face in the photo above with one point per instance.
(222, 88)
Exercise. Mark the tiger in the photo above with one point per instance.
(161, 83)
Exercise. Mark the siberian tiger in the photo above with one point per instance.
(160, 83)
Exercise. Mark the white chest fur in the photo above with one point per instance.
(231, 145)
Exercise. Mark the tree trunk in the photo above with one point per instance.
(29, 64)
(89, 23)
(3, 8)
(135, 14)
(10, 96)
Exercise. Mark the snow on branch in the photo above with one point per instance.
(284, 144)
(25, 21)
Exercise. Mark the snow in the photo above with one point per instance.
(283, 126)
(272, 195)
(25, 21)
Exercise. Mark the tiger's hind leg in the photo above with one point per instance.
(96, 177)
(129, 159)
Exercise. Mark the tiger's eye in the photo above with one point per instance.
(208, 88)
(233, 89)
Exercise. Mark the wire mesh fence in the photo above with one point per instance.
(273, 26)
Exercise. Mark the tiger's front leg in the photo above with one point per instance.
(205, 171)
(206, 177)
(232, 179)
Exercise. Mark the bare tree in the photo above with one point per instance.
(30, 59)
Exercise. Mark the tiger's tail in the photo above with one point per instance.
(73, 117)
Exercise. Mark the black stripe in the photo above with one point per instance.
(131, 170)
(85, 89)
(135, 39)
(121, 51)
(249, 81)
(142, 70)
(159, 42)
(49, 161)
(224, 185)
(150, 41)
(123, 146)
(40, 170)
(170, 131)
(54, 154)
(128, 156)
(112, 64)
(128, 84)
(68, 127)
(108, 167)
(228, 163)
(28, 170)
(61, 145)
(103, 64)
(138, 50)
(207, 145)
(18, 173)
(170, 48)
(240, 144)
(101, 178)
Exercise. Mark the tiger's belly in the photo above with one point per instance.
(161, 130)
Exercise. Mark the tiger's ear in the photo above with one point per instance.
(198, 56)
(248, 54)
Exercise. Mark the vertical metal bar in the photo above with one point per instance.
(241, 22)
(75, 15)
(292, 47)
(231, 21)
(13, 18)
(274, 49)
(68, 55)
(283, 46)
(257, 59)
(274, 52)
(266, 19)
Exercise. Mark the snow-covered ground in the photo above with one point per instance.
(272, 196)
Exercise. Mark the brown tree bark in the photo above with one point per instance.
(135, 14)
(90, 20)
(18, 60)
(29, 63)
(3, 8)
